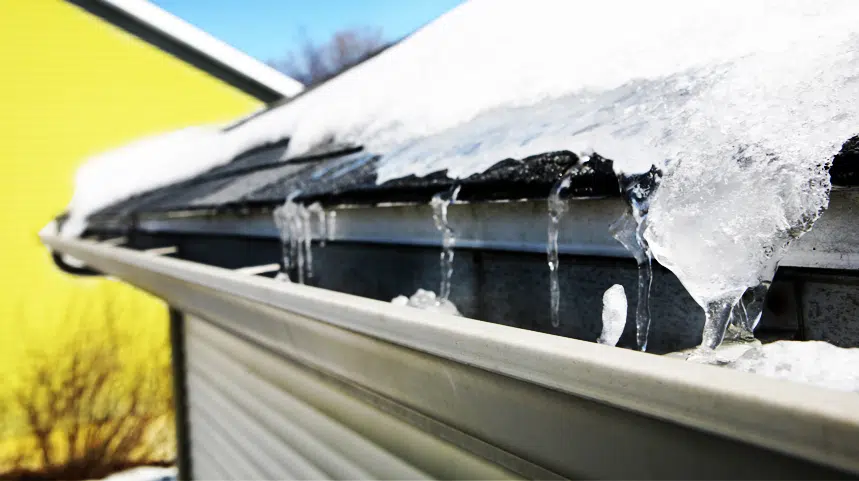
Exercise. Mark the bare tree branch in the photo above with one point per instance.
(313, 63)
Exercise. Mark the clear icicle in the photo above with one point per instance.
(316, 210)
(440, 203)
(331, 225)
(557, 205)
(282, 224)
(306, 240)
(629, 231)
(613, 315)
(289, 219)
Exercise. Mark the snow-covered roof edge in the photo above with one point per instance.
(193, 45)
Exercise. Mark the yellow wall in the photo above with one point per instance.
(71, 86)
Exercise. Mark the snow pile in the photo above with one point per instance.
(427, 300)
(145, 473)
(144, 165)
(613, 315)
(812, 362)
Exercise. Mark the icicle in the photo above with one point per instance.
(557, 209)
(306, 240)
(282, 224)
(629, 231)
(316, 209)
(439, 204)
(288, 219)
(331, 228)
(613, 315)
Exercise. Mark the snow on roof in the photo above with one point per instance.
(495, 79)
(638, 82)
(144, 165)
(181, 31)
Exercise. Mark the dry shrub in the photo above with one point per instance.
(91, 406)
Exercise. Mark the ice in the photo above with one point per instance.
(331, 225)
(613, 315)
(315, 209)
(629, 231)
(722, 223)
(439, 204)
(557, 206)
(293, 223)
(427, 300)
(812, 362)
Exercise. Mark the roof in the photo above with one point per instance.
(521, 120)
(194, 46)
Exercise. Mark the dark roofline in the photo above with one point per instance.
(179, 49)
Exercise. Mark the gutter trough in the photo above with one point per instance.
(490, 400)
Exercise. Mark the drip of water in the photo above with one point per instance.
(629, 231)
(440, 203)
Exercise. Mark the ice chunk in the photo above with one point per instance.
(613, 315)
(812, 362)
(427, 300)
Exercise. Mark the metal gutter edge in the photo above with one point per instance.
(521, 226)
(814, 424)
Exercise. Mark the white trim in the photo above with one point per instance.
(173, 26)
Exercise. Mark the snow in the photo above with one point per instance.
(427, 301)
(145, 473)
(812, 362)
(613, 315)
(144, 165)
(639, 82)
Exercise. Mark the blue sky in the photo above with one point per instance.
(267, 29)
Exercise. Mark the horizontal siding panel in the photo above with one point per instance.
(215, 354)
(306, 457)
(266, 451)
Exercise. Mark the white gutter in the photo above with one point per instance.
(181, 31)
(813, 424)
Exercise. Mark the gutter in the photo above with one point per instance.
(529, 401)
